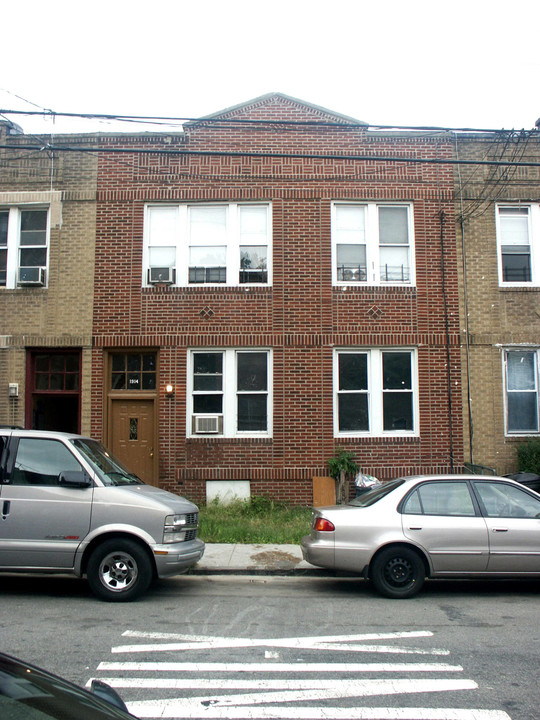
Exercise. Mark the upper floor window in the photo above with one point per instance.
(218, 244)
(372, 244)
(518, 237)
(23, 246)
(521, 391)
(375, 392)
(229, 392)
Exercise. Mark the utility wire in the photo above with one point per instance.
(277, 155)
(247, 121)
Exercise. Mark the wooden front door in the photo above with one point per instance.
(132, 436)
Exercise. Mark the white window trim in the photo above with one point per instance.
(14, 246)
(375, 392)
(372, 245)
(534, 241)
(518, 348)
(233, 244)
(229, 393)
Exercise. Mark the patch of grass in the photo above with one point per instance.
(257, 520)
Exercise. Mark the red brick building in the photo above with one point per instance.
(291, 275)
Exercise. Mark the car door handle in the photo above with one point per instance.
(6, 506)
(500, 530)
(416, 527)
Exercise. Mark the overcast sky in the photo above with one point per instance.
(463, 64)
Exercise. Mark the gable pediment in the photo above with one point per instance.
(277, 107)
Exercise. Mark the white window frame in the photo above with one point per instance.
(182, 243)
(533, 211)
(14, 246)
(373, 273)
(535, 351)
(375, 392)
(229, 393)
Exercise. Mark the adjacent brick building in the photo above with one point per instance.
(273, 284)
(47, 236)
(498, 212)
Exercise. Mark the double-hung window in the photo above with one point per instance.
(229, 393)
(375, 392)
(372, 244)
(521, 389)
(226, 244)
(518, 238)
(23, 246)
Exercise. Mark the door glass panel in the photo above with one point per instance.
(39, 462)
(56, 372)
(446, 498)
(507, 501)
(134, 371)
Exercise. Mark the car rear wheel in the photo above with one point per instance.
(119, 570)
(398, 572)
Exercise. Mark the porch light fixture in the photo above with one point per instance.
(169, 390)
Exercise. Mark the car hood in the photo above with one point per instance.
(176, 503)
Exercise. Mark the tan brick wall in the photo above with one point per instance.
(497, 317)
(59, 315)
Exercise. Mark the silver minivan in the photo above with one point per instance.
(67, 505)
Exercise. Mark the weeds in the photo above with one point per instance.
(528, 453)
(257, 520)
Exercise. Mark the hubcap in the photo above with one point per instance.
(118, 571)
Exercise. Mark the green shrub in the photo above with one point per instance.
(528, 453)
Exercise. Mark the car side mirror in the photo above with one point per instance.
(107, 693)
(74, 478)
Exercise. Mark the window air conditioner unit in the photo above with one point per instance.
(31, 276)
(158, 275)
(207, 424)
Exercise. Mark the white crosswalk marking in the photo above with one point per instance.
(272, 689)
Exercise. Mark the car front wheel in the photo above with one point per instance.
(119, 570)
(398, 572)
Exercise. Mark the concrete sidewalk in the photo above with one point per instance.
(239, 559)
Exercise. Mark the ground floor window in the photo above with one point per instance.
(521, 391)
(229, 392)
(375, 392)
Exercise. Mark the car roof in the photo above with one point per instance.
(454, 476)
(22, 432)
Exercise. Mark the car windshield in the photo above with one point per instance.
(375, 494)
(27, 693)
(108, 468)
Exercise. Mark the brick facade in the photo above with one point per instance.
(499, 317)
(456, 315)
(59, 315)
(302, 316)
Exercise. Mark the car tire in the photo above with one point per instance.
(119, 571)
(398, 572)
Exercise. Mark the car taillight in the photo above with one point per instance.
(323, 525)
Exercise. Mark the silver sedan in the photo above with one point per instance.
(410, 529)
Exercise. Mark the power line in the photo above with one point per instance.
(49, 147)
(250, 121)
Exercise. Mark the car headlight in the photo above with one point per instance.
(174, 529)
